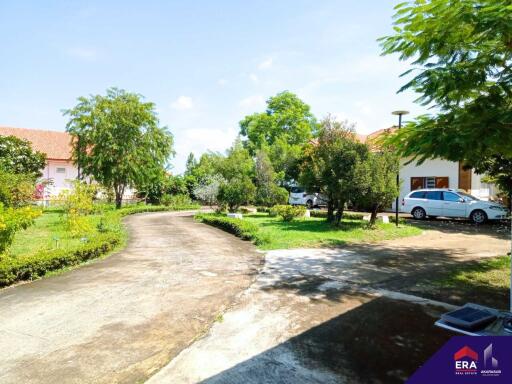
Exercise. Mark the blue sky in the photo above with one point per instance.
(205, 64)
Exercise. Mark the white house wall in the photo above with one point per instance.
(430, 168)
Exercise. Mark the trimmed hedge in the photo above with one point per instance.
(238, 227)
(346, 215)
(14, 269)
(30, 267)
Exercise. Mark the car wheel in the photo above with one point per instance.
(478, 216)
(309, 204)
(419, 213)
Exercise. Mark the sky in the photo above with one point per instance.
(205, 64)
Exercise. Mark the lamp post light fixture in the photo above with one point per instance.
(399, 114)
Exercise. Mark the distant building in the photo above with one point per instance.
(59, 170)
(439, 173)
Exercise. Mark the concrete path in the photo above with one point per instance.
(120, 319)
(327, 315)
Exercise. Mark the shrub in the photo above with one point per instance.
(236, 192)
(323, 215)
(13, 220)
(208, 190)
(16, 189)
(78, 203)
(238, 227)
(178, 200)
(32, 266)
(289, 212)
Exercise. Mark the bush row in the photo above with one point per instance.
(14, 269)
(238, 227)
(323, 215)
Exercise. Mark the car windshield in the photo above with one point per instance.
(467, 196)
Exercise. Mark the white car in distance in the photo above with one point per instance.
(451, 203)
(299, 196)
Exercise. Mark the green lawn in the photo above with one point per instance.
(316, 232)
(48, 247)
(48, 227)
(484, 282)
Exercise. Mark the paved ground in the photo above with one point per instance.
(333, 315)
(120, 319)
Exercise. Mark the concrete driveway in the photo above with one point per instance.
(120, 319)
(334, 315)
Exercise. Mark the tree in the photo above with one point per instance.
(335, 166)
(191, 164)
(17, 156)
(238, 170)
(208, 189)
(237, 191)
(118, 140)
(465, 72)
(379, 181)
(285, 127)
(268, 193)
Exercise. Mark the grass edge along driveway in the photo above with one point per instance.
(47, 248)
(273, 233)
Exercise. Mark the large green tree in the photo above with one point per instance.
(118, 140)
(285, 127)
(335, 166)
(18, 157)
(461, 53)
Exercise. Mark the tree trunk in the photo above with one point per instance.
(373, 217)
(119, 191)
(339, 213)
(330, 211)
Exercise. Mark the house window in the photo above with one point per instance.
(429, 182)
(60, 170)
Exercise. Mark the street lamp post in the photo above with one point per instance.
(400, 114)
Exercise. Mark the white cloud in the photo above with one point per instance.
(83, 53)
(222, 82)
(182, 103)
(253, 102)
(254, 78)
(266, 64)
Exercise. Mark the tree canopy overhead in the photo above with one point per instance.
(118, 140)
(461, 52)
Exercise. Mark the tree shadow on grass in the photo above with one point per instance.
(445, 285)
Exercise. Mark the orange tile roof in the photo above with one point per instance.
(56, 145)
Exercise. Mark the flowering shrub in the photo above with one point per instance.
(13, 220)
(77, 204)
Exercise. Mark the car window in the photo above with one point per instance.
(297, 190)
(417, 195)
(433, 195)
(468, 196)
(449, 196)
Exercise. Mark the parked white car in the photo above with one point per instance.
(451, 203)
(299, 196)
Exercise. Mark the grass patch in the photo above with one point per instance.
(485, 282)
(273, 233)
(47, 246)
